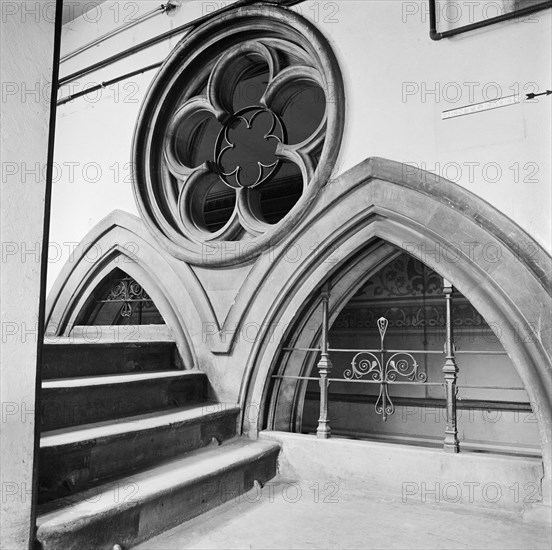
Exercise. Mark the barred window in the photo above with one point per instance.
(119, 300)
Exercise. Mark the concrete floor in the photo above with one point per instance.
(310, 515)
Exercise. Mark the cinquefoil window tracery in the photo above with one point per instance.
(256, 128)
(238, 133)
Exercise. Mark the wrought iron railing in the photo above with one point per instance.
(388, 367)
(383, 369)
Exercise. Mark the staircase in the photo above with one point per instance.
(131, 446)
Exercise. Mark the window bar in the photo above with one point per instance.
(450, 372)
(324, 367)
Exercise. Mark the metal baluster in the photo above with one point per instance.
(450, 372)
(324, 368)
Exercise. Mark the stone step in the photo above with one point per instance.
(63, 360)
(75, 401)
(135, 508)
(74, 459)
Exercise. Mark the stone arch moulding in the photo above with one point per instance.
(121, 240)
(195, 97)
(494, 263)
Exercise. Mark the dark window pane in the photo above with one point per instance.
(119, 300)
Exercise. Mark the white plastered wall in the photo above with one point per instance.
(397, 84)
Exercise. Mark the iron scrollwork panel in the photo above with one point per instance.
(385, 369)
(128, 291)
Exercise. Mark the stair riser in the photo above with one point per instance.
(72, 360)
(63, 407)
(70, 468)
(135, 521)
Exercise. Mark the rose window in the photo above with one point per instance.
(235, 139)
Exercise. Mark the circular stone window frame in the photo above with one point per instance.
(211, 40)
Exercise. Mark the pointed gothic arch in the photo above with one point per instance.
(499, 268)
(121, 241)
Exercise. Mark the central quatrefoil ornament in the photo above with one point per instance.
(262, 128)
(239, 131)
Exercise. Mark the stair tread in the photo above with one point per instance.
(129, 424)
(81, 341)
(151, 483)
(109, 379)
(118, 335)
